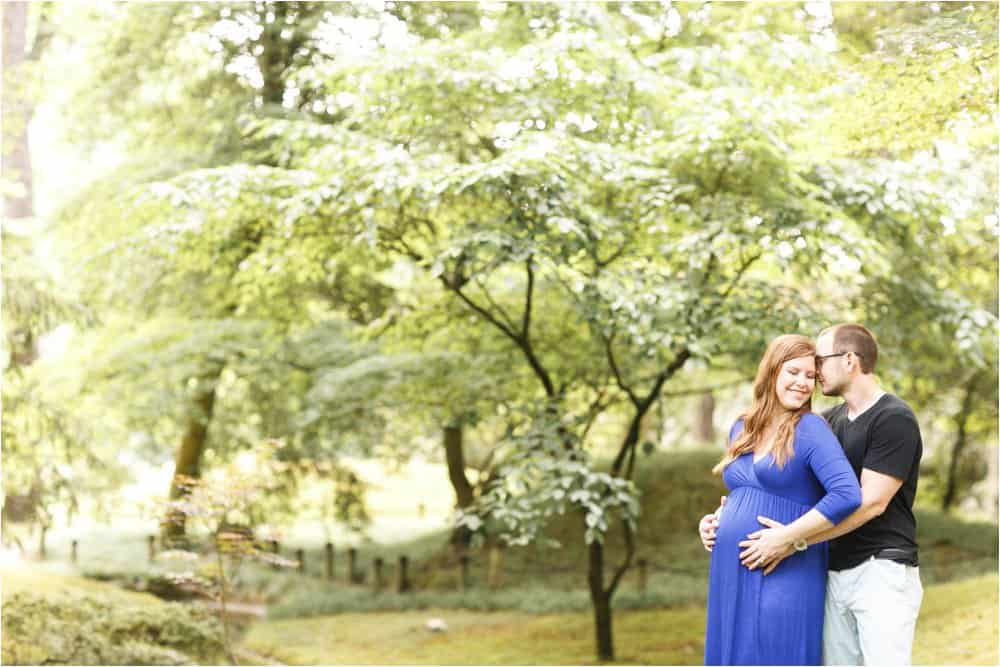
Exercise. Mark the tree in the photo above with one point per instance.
(925, 80)
(245, 61)
(38, 436)
(599, 194)
(588, 211)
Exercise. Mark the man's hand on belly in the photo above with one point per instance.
(709, 524)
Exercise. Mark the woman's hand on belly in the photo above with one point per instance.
(766, 547)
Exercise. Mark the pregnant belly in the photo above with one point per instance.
(743, 506)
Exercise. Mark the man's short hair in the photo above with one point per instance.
(857, 339)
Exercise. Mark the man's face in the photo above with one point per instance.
(830, 370)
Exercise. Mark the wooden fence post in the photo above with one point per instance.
(493, 573)
(274, 549)
(403, 585)
(378, 574)
(72, 551)
(643, 575)
(329, 561)
(464, 574)
(352, 565)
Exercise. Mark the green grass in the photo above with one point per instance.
(502, 638)
(958, 625)
(323, 599)
(953, 549)
(34, 579)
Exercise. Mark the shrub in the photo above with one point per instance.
(78, 628)
(665, 591)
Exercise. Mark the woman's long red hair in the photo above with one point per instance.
(766, 408)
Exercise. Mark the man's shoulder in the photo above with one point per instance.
(832, 413)
(893, 406)
(896, 420)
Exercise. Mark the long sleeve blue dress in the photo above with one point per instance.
(777, 619)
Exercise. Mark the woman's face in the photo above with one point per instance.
(796, 381)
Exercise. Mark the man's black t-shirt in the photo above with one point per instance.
(884, 438)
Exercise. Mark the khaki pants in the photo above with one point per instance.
(871, 612)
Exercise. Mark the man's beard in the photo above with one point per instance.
(832, 389)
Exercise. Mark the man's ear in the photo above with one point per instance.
(852, 361)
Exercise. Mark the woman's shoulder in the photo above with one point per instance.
(737, 428)
(813, 432)
(812, 424)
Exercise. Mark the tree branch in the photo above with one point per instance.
(739, 274)
(508, 320)
(523, 344)
(485, 314)
(642, 407)
(630, 466)
(43, 34)
(528, 291)
(603, 263)
(595, 408)
(610, 354)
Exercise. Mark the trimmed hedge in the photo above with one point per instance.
(77, 628)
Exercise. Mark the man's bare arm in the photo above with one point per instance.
(877, 490)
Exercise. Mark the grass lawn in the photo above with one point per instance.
(36, 579)
(958, 625)
(501, 638)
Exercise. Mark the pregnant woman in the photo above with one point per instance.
(783, 462)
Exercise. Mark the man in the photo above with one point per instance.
(873, 589)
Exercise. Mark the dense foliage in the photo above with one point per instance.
(90, 629)
(355, 227)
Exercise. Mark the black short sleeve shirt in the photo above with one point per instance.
(884, 438)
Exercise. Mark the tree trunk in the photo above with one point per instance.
(455, 456)
(649, 431)
(601, 601)
(704, 424)
(961, 440)
(16, 111)
(992, 489)
(188, 460)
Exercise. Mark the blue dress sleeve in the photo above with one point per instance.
(735, 431)
(827, 460)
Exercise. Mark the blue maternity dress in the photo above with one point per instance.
(777, 619)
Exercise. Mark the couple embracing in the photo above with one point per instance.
(814, 552)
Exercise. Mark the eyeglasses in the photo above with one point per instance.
(820, 358)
